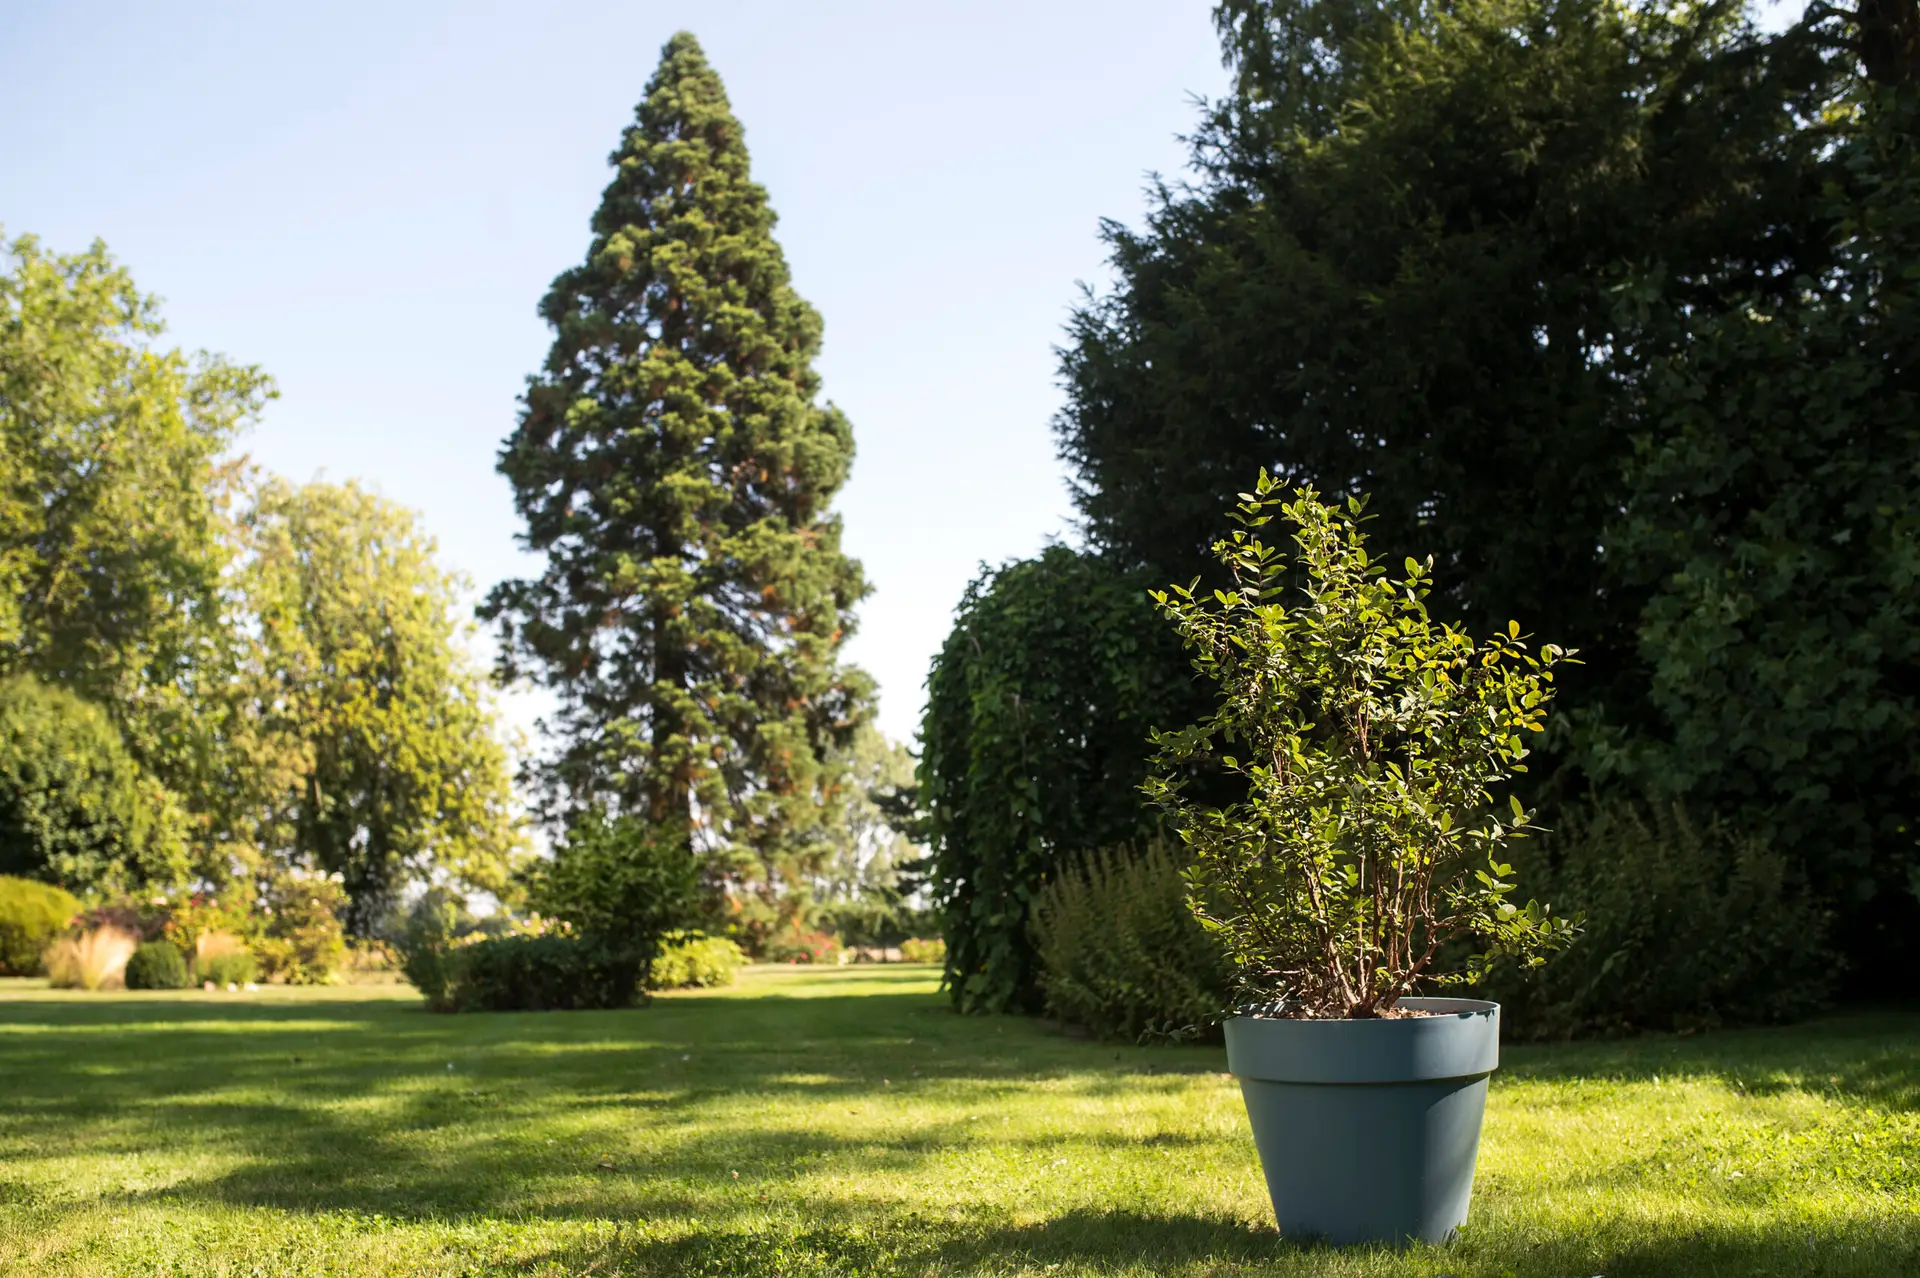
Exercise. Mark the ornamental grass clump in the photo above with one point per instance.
(1357, 747)
(95, 959)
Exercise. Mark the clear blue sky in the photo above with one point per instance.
(369, 201)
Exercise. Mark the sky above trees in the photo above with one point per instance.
(370, 202)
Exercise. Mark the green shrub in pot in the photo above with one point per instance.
(1339, 805)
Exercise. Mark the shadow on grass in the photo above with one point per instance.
(376, 1106)
(911, 1244)
(1868, 1248)
(1105, 1242)
(349, 1106)
(1866, 1058)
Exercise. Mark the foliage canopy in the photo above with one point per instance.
(75, 807)
(390, 767)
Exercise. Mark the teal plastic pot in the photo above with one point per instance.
(1368, 1130)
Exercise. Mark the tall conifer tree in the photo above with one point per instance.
(674, 467)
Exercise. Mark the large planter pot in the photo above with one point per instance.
(1368, 1130)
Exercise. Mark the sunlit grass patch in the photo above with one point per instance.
(832, 1122)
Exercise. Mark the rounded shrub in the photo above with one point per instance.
(923, 949)
(32, 917)
(74, 805)
(692, 960)
(235, 967)
(551, 973)
(157, 965)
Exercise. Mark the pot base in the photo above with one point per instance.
(1385, 1162)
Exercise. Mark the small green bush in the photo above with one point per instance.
(237, 968)
(302, 942)
(551, 973)
(619, 877)
(1686, 928)
(1121, 954)
(917, 949)
(692, 960)
(32, 916)
(793, 943)
(157, 965)
(437, 921)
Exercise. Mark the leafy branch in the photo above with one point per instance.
(1362, 742)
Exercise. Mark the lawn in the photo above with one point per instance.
(845, 1122)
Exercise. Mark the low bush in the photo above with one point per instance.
(213, 946)
(437, 923)
(233, 967)
(369, 959)
(878, 923)
(1121, 955)
(301, 941)
(619, 877)
(691, 960)
(157, 965)
(551, 973)
(1687, 927)
(32, 917)
(923, 950)
(92, 960)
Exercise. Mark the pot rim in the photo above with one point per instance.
(1462, 1042)
(1435, 1005)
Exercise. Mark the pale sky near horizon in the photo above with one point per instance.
(369, 201)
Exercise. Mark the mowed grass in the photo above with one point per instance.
(844, 1122)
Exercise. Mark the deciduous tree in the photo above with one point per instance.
(391, 765)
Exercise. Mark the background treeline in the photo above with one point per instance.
(220, 692)
(1609, 309)
(212, 680)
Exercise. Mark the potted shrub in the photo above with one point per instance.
(1345, 840)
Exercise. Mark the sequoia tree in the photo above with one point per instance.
(674, 466)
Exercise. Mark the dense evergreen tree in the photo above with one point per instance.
(1394, 274)
(1605, 306)
(1033, 748)
(1772, 524)
(675, 468)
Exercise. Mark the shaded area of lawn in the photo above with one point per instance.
(845, 1122)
